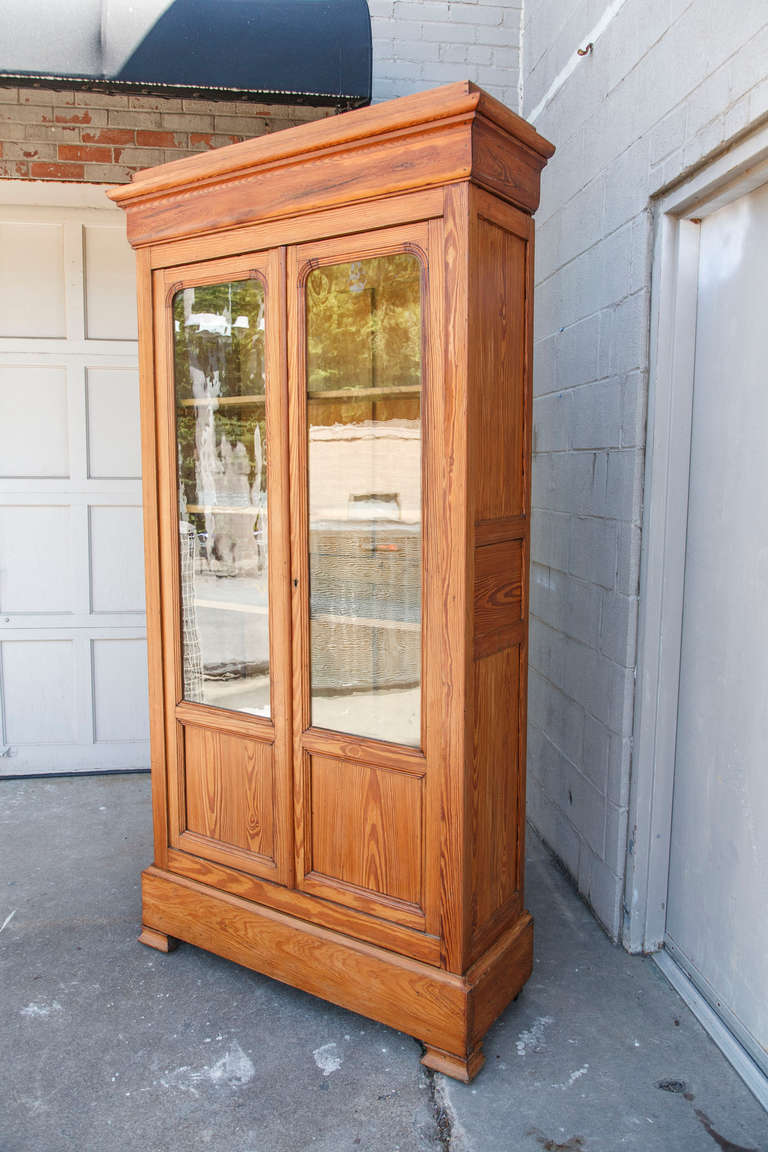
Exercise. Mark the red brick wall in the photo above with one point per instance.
(99, 137)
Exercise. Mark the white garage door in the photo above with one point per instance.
(717, 928)
(72, 631)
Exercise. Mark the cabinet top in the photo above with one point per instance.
(455, 132)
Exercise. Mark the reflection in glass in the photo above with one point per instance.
(364, 365)
(222, 477)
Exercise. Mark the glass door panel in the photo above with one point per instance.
(364, 380)
(219, 375)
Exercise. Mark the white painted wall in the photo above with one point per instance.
(419, 44)
(666, 86)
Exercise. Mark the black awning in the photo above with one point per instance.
(308, 50)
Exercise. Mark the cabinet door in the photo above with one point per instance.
(221, 414)
(361, 313)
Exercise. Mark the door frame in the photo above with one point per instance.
(274, 731)
(419, 238)
(674, 298)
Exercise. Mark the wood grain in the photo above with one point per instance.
(157, 940)
(497, 977)
(497, 323)
(404, 144)
(459, 1068)
(362, 923)
(502, 315)
(446, 1012)
(278, 481)
(501, 529)
(395, 163)
(377, 752)
(152, 544)
(229, 790)
(510, 169)
(224, 720)
(219, 838)
(498, 596)
(381, 212)
(495, 814)
(418, 998)
(448, 642)
(433, 699)
(366, 827)
(363, 125)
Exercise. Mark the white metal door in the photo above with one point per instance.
(72, 630)
(717, 912)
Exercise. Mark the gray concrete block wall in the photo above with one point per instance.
(420, 44)
(666, 86)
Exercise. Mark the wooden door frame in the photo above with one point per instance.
(268, 266)
(419, 238)
(674, 294)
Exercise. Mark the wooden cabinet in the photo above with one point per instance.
(335, 335)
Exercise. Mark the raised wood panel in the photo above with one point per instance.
(366, 827)
(498, 596)
(229, 790)
(494, 790)
(497, 369)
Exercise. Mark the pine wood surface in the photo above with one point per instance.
(445, 1011)
(152, 578)
(452, 133)
(383, 877)
(361, 924)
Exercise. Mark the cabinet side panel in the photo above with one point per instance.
(495, 793)
(497, 332)
(499, 435)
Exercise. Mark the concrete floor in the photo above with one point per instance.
(106, 1045)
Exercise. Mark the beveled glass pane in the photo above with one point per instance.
(222, 477)
(364, 368)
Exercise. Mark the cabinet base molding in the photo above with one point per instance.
(449, 1013)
